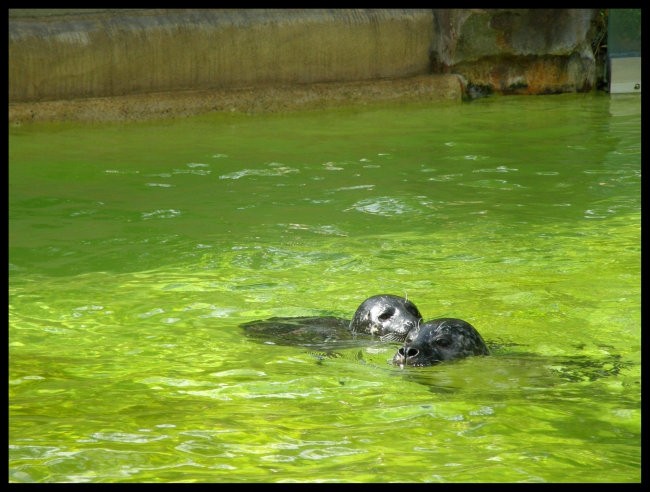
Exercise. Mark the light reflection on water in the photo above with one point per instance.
(136, 252)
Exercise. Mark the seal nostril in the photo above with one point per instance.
(412, 352)
(400, 351)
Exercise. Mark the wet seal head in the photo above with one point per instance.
(440, 340)
(386, 316)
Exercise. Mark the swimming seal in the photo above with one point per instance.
(385, 317)
(440, 340)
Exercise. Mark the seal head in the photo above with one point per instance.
(440, 340)
(386, 316)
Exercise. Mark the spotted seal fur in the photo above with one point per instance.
(440, 340)
(386, 316)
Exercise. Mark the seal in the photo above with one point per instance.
(440, 340)
(385, 317)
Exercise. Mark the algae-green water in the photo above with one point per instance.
(137, 249)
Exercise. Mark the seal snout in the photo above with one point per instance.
(405, 356)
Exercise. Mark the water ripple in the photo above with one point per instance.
(322, 453)
(276, 169)
(326, 230)
(126, 437)
(386, 206)
(161, 214)
(498, 169)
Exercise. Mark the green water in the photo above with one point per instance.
(136, 250)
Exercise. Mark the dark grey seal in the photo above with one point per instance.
(383, 317)
(440, 340)
(386, 316)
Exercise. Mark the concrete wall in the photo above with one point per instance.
(68, 54)
(61, 61)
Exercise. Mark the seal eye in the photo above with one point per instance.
(386, 315)
(443, 342)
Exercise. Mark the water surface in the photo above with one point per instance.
(136, 251)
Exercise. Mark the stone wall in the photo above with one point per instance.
(244, 58)
(75, 54)
(523, 51)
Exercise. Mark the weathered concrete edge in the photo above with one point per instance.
(119, 53)
(161, 105)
